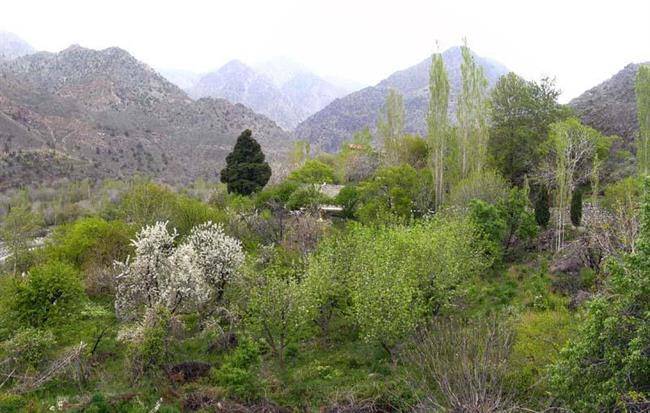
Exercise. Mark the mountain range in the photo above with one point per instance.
(88, 113)
(101, 113)
(339, 120)
(280, 89)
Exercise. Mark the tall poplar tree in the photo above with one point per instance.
(391, 125)
(472, 114)
(438, 124)
(643, 114)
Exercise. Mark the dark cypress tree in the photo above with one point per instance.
(246, 170)
(576, 207)
(542, 212)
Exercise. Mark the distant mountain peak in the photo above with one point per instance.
(12, 46)
(281, 89)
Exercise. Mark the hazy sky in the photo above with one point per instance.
(581, 43)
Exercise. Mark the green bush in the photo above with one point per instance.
(90, 241)
(238, 374)
(606, 367)
(51, 293)
(12, 403)
(313, 172)
(306, 197)
(151, 352)
(29, 347)
(147, 203)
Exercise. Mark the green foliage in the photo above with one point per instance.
(521, 112)
(642, 89)
(246, 170)
(275, 307)
(276, 195)
(390, 125)
(146, 203)
(384, 280)
(238, 374)
(472, 116)
(519, 217)
(539, 337)
(438, 131)
(412, 150)
(624, 194)
(348, 198)
(150, 350)
(29, 347)
(576, 207)
(12, 403)
(487, 186)
(491, 223)
(90, 241)
(393, 192)
(542, 207)
(52, 293)
(308, 196)
(17, 229)
(607, 366)
(313, 172)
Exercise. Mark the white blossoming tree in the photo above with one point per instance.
(179, 278)
(218, 256)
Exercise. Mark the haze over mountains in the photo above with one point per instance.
(90, 113)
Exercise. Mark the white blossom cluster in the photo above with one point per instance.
(180, 278)
(218, 255)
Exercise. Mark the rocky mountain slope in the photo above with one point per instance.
(340, 119)
(12, 46)
(610, 107)
(98, 114)
(238, 83)
(282, 90)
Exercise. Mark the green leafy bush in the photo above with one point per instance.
(90, 241)
(606, 367)
(238, 374)
(12, 403)
(314, 172)
(306, 197)
(29, 347)
(51, 293)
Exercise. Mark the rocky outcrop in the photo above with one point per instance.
(610, 107)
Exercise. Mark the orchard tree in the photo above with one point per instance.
(218, 256)
(438, 126)
(521, 113)
(179, 279)
(246, 170)
(275, 307)
(643, 115)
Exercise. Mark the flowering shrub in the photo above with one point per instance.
(218, 256)
(177, 278)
